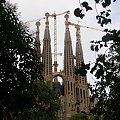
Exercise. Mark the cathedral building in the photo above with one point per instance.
(73, 92)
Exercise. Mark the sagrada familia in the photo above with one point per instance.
(74, 94)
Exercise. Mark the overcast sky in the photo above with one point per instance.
(35, 9)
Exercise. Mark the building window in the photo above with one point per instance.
(76, 91)
(69, 104)
(72, 106)
(68, 85)
(83, 80)
(71, 86)
(84, 94)
(81, 93)
(78, 110)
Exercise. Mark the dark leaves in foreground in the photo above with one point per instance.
(83, 69)
(80, 12)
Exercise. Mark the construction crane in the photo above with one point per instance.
(54, 15)
(85, 26)
(35, 20)
(77, 26)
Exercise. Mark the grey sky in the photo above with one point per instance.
(35, 9)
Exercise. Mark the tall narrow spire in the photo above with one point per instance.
(79, 52)
(69, 81)
(47, 56)
(38, 56)
(37, 42)
(81, 86)
(68, 52)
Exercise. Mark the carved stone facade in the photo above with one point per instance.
(73, 92)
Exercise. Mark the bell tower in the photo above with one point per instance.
(46, 54)
(74, 91)
(69, 81)
(82, 96)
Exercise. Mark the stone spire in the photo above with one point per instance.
(37, 42)
(79, 52)
(69, 80)
(68, 52)
(82, 94)
(47, 56)
(38, 55)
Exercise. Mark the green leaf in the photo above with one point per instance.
(103, 12)
(87, 66)
(85, 4)
(88, 8)
(107, 14)
(82, 15)
(77, 12)
(97, 1)
(96, 48)
(106, 30)
(108, 2)
(92, 47)
(93, 68)
(101, 45)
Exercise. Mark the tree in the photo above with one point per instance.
(17, 65)
(79, 116)
(47, 102)
(23, 93)
(106, 67)
(83, 116)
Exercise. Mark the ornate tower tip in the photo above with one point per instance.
(37, 24)
(66, 16)
(77, 26)
(47, 14)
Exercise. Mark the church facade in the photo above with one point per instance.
(74, 94)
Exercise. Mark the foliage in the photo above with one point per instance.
(17, 65)
(102, 17)
(79, 116)
(91, 117)
(47, 102)
(23, 94)
(83, 69)
(106, 67)
(83, 116)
